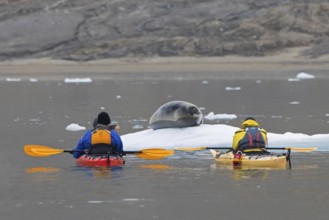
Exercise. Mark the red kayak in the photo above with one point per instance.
(100, 161)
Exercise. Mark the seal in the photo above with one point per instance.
(176, 114)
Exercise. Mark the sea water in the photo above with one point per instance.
(187, 185)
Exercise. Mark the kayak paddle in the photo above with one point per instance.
(202, 148)
(44, 151)
(228, 148)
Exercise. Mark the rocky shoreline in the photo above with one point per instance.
(281, 65)
(79, 30)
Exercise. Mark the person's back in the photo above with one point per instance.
(100, 140)
(250, 138)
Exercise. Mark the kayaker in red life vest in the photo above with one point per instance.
(250, 138)
(101, 139)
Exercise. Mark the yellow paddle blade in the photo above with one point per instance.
(28, 151)
(155, 153)
(191, 148)
(40, 151)
(301, 149)
(158, 152)
(149, 157)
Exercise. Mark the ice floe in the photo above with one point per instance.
(78, 80)
(218, 135)
(74, 127)
(212, 116)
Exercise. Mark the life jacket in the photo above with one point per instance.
(101, 142)
(253, 139)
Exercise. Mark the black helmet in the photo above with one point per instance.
(103, 118)
(250, 118)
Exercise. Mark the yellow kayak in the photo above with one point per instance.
(257, 161)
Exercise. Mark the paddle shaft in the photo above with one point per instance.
(125, 152)
(277, 148)
(218, 148)
(72, 151)
(132, 152)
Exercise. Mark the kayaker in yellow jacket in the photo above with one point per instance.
(250, 138)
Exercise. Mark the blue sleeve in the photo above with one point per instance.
(116, 141)
(83, 144)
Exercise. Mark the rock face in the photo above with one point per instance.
(84, 30)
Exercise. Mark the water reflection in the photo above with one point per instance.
(241, 173)
(156, 166)
(101, 172)
(41, 170)
(43, 174)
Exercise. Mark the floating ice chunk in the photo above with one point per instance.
(131, 200)
(205, 82)
(78, 80)
(118, 96)
(95, 202)
(304, 76)
(33, 80)
(34, 119)
(293, 80)
(294, 103)
(74, 127)
(213, 136)
(211, 116)
(13, 79)
(138, 127)
(232, 88)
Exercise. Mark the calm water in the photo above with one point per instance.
(184, 186)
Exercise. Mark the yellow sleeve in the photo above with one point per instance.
(264, 134)
(238, 135)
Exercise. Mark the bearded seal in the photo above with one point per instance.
(176, 114)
